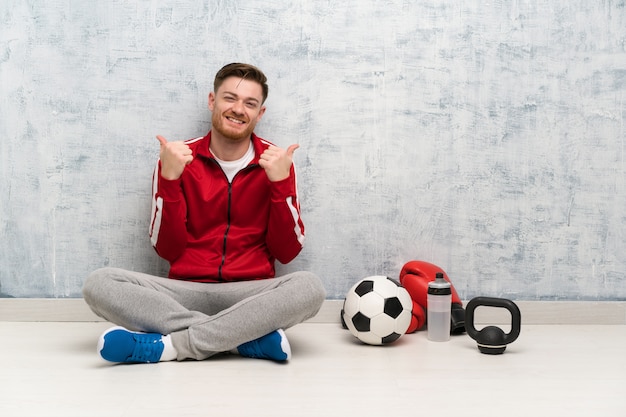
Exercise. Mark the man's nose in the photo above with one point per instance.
(238, 107)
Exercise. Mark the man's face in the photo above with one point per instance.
(237, 107)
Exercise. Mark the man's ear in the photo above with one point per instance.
(211, 101)
(261, 112)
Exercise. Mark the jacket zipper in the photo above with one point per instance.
(230, 189)
(219, 272)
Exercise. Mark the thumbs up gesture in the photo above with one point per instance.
(175, 156)
(277, 162)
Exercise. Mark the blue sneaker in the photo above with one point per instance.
(274, 346)
(123, 346)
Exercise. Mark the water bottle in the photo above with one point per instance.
(439, 305)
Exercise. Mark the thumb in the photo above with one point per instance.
(162, 140)
(291, 149)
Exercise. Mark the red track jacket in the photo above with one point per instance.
(213, 231)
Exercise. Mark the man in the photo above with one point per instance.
(225, 207)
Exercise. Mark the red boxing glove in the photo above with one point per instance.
(414, 277)
(418, 319)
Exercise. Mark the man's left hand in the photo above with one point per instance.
(277, 162)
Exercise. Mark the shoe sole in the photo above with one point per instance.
(284, 343)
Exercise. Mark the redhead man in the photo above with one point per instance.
(225, 207)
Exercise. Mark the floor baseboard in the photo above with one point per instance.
(533, 312)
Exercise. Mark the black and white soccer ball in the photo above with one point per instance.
(377, 310)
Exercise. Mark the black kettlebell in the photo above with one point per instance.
(492, 340)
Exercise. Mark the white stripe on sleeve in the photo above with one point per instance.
(157, 209)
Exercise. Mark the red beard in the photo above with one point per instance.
(219, 123)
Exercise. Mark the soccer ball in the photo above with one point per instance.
(377, 310)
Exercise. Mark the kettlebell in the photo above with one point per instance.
(492, 340)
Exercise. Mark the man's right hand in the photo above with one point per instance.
(175, 156)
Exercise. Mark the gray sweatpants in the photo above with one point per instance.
(203, 319)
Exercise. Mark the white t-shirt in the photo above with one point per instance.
(231, 168)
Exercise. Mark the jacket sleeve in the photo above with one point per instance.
(168, 233)
(285, 230)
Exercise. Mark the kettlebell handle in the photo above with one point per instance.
(493, 302)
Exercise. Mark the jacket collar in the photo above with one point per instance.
(258, 144)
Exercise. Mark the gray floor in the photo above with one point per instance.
(51, 369)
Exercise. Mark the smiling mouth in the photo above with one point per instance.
(236, 121)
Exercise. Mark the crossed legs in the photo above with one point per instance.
(203, 319)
